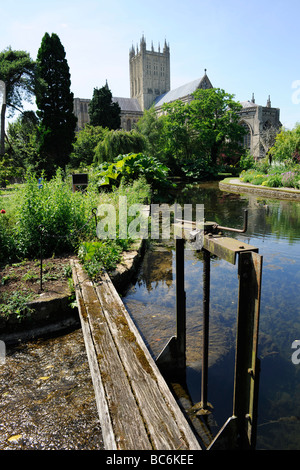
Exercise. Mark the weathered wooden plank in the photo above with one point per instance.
(166, 423)
(136, 408)
(127, 423)
(101, 403)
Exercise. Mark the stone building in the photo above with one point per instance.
(149, 73)
(150, 86)
(262, 123)
(81, 111)
(183, 93)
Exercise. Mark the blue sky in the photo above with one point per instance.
(246, 47)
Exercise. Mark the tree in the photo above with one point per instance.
(204, 129)
(103, 111)
(22, 136)
(55, 104)
(117, 142)
(151, 127)
(287, 145)
(85, 145)
(17, 73)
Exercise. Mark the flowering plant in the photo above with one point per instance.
(288, 179)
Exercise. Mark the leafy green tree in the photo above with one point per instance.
(203, 130)
(23, 140)
(286, 146)
(117, 142)
(55, 104)
(151, 127)
(17, 72)
(103, 111)
(85, 145)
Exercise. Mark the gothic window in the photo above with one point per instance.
(128, 125)
(247, 137)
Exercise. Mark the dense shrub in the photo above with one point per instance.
(288, 179)
(274, 177)
(65, 218)
(6, 239)
(54, 208)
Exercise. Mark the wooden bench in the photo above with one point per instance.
(137, 410)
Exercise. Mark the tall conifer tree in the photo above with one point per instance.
(103, 111)
(55, 104)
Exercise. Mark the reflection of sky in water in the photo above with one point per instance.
(273, 227)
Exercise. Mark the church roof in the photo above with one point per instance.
(128, 104)
(248, 104)
(182, 91)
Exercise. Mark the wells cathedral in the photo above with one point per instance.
(150, 86)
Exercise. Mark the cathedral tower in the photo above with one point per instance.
(149, 73)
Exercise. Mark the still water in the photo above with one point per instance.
(273, 227)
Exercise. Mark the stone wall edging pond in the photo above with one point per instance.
(54, 314)
(236, 186)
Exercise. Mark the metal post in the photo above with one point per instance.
(246, 364)
(41, 229)
(205, 327)
(172, 359)
(180, 304)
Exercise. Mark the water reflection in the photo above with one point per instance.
(274, 227)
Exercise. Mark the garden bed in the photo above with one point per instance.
(236, 185)
(27, 312)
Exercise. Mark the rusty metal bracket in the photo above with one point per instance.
(225, 247)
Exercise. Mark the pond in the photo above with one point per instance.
(274, 228)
